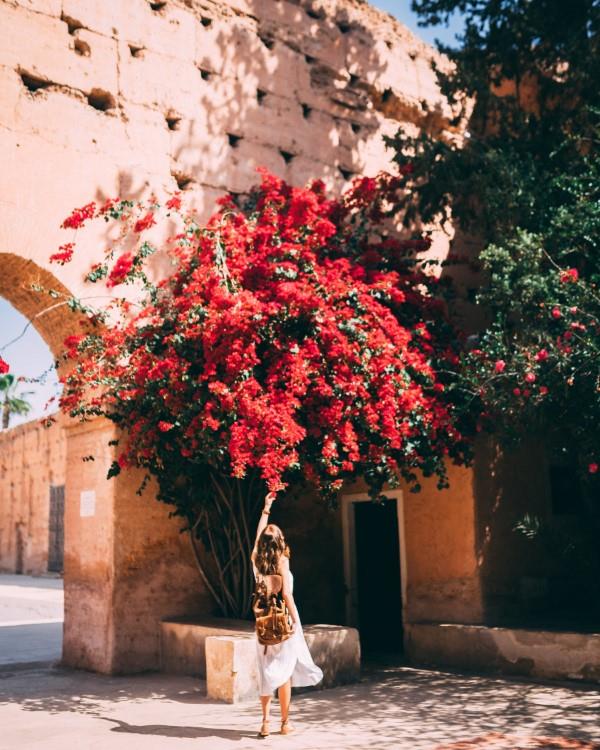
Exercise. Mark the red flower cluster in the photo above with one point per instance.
(64, 255)
(145, 222)
(569, 276)
(120, 270)
(4, 366)
(294, 338)
(79, 216)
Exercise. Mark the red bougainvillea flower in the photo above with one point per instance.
(174, 202)
(570, 275)
(120, 270)
(500, 366)
(593, 468)
(542, 355)
(145, 222)
(294, 339)
(79, 216)
(556, 313)
(530, 377)
(4, 366)
(64, 255)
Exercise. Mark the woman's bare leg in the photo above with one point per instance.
(265, 702)
(285, 696)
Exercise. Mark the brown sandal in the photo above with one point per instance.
(285, 727)
(263, 733)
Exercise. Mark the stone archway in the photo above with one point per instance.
(126, 566)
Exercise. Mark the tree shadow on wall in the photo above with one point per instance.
(274, 84)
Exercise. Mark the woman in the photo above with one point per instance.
(287, 664)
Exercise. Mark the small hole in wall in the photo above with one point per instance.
(136, 51)
(347, 174)
(413, 55)
(72, 23)
(260, 96)
(233, 139)
(319, 14)
(184, 181)
(306, 110)
(310, 60)
(206, 21)
(237, 198)
(157, 7)
(173, 121)
(101, 100)
(344, 26)
(287, 155)
(386, 96)
(82, 48)
(353, 79)
(34, 83)
(206, 75)
(267, 41)
(355, 127)
(388, 44)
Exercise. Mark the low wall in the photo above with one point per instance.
(532, 653)
(224, 653)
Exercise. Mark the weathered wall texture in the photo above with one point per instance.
(534, 653)
(103, 99)
(126, 566)
(128, 97)
(32, 458)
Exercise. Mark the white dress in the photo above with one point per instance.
(290, 658)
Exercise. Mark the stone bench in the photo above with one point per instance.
(224, 653)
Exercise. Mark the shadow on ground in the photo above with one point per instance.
(391, 707)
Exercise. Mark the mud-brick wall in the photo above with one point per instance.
(32, 458)
(125, 97)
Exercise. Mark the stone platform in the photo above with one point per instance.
(546, 654)
(223, 652)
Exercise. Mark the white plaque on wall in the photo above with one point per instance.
(87, 503)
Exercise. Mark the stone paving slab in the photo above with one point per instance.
(390, 708)
(31, 619)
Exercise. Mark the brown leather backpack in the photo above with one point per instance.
(273, 621)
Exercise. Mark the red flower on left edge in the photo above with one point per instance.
(4, 366)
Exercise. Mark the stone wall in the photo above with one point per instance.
(128, 97)
(123, 98)
(32, 458)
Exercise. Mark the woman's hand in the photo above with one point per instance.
(269, 500)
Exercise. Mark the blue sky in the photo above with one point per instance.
(30, 356)
(401, 9)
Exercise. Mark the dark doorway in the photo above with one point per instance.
(56, 529)
(379, 592)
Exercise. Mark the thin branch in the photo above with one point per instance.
(207, 583)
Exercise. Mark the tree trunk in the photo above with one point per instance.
(222, 537)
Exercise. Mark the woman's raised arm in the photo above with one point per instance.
(264, 519)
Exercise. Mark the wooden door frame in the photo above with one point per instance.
(349, 546)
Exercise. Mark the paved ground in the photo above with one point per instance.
(395, 708)
(392, 708)
(31, 616)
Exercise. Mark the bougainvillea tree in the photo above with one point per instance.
(296, 339)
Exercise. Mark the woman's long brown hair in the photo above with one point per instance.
(271, 545)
